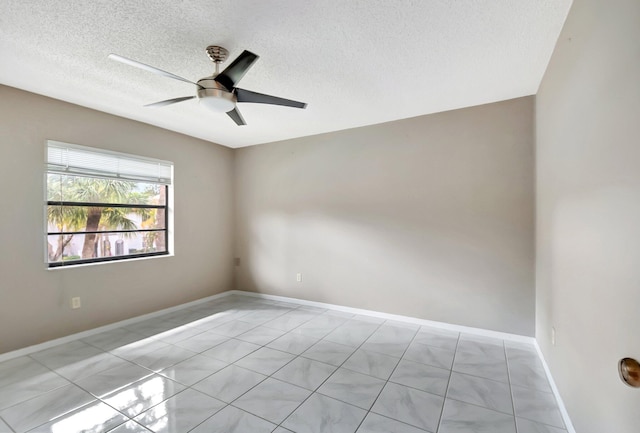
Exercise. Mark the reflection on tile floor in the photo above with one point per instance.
(246, 365)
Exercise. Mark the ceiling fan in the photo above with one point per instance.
(218, 92)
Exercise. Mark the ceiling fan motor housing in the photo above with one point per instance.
(215, 96)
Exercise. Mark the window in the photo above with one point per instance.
(104, 206)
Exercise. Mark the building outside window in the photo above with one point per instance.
(104, 206)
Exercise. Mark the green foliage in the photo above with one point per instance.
(94, 190)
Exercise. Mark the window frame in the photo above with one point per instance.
(166, 207)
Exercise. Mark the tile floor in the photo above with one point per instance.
(245, 365)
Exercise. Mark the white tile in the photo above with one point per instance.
(94, 417)
(482, 340)
(316, 328)
(233, 328)
(193, 369)
(231, 350)
(329, 352)
(260, 335)
(175, 335)
(234, 420)
(4, 428)
(352, 333)
(305, 373)
(265, 360)
(321, 414)
(353, 388)
(293, 343)
(481, 392)
(371, 363)
(130, 427)
(108, 381)
(526, 369)
(369, 319)
(229, 383)
(113, 339)
(288, 321)
(436, 337)
(164, 357)
(143, 394)
(527, 426)
(203, 341)
(65, 354)
(272, 400)
(375, 423)
(459, 417)
(138, 348)
(388, 333)
(421, 376)
(537, 406)
(481, 358)
(40, 382)
(18, 369)
(87, 367)
(395, 349)
(150, 327)
(348, 367)
(180, 413)
(46, 407)
(430, 355)
(410, 406)
(76, 360)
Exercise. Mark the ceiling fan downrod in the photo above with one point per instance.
(218, 55)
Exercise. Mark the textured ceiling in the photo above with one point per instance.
(355, 62)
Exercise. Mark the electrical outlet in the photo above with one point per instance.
(553, 336)
(75, 303)
(298, 277)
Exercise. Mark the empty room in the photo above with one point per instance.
(320, 217)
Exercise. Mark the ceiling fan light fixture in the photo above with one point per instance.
(219, 101)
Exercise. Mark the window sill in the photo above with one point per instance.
(109, 262)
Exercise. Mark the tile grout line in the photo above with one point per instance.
(446, 393)
(513, 403)
(187, 387)
(340, 366)
(255, 325)
(387, 381)
(267, 376)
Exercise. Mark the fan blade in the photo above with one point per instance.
(233, 73)
(237, 117)
(148, 68)
(169, 101)
(260, 98)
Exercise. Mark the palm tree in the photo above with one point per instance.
(65, 219)
(91, 218)
(91, 190)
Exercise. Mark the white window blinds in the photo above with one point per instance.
(72, 159)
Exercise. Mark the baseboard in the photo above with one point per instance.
(66, 339)
(556, 392)
(396, 317)
(423, 322)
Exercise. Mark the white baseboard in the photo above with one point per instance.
(48, 344)
(441, 325)
(556, 392)
(386, 316)
(396, 317)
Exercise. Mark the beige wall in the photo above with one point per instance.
(588, 213)
(429, 217)
(34, 301)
